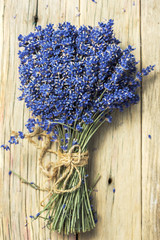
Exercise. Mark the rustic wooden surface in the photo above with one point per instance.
(121, 151)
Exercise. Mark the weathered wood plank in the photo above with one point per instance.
(16, 18)
(115, 150)
(56, 11)
(151, 121)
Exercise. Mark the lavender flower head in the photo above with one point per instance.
(68, 75)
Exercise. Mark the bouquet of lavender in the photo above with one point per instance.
(71, 81)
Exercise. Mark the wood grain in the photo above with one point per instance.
(121, 151)
(117, 146)
(16, 18)
(151, 121)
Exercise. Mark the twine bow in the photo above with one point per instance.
(70, 161)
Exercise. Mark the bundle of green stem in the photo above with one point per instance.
(68, 210)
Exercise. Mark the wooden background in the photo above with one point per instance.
(121, 151)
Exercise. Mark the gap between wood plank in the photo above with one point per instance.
(140, 47)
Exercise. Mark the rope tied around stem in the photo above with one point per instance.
(59, 172)
(66, 162)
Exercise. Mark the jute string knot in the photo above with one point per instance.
(66, 163)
